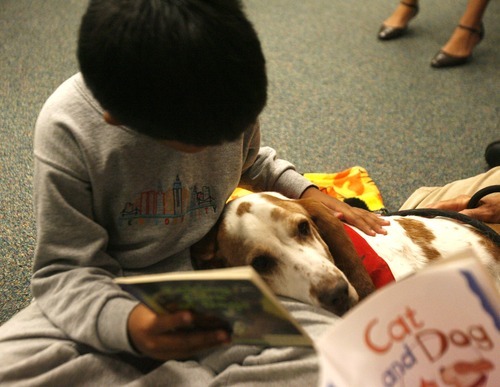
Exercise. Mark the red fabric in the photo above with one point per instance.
(377, 268)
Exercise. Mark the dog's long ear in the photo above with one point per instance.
(204, 252)
(340, 245)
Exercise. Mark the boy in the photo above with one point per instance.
(134, 160)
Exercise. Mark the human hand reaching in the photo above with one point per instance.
(487, 211)
(366, 221)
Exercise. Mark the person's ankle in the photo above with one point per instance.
(401, 16)
(461, 43)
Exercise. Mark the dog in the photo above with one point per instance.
(306, 253)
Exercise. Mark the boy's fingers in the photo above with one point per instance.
(182, 345)
(369, 223)
(379, 229)
(172, 335)
(173, 321)
(196, 340)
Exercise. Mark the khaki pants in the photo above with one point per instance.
(424, 196)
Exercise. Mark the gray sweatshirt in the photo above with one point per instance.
(111, 202)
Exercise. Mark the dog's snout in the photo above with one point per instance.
(336, 298)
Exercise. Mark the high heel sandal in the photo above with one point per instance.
(443, 59)
(388, 33)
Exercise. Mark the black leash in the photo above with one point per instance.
(473, 203)
(474, 200)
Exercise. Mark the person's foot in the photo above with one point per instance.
(396, 24)
(492, 154)
(458, 49)
(463, 40)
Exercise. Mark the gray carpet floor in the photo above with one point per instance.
(337, 98)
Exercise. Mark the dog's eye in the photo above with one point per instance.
(304, 228)
(263, 264)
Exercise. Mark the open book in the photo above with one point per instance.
(439, 327)
(235, 299)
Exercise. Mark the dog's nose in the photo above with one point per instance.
(336, 298)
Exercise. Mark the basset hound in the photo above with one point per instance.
(306, 253)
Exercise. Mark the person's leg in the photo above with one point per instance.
(424, 196)
(34, 352)
(395, 25)
(465, 37)
(283, 366)
(247, 365)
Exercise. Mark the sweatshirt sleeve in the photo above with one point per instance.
(73, 275)
(264, 171)
(72, 281)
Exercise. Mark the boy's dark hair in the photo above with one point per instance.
(191, 71)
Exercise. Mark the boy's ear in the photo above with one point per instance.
(110, 119)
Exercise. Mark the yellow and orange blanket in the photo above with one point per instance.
(351, 183)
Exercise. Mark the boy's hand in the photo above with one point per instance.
(366, 221)
(162, 337)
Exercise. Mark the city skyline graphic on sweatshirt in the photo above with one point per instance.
(167, 206)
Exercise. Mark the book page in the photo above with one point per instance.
(438, 327)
